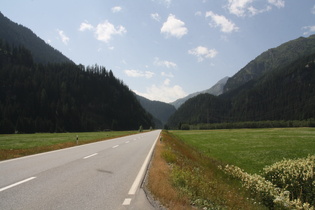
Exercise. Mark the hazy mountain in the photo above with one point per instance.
(17, 35)
(159, 110)
(216, 90)
(272, 59)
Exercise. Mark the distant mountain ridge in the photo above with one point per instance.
(216, 90)
(270, 87)
(272, 59)
(159, 110)
(17, 35)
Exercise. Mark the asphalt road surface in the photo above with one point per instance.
(102, 175)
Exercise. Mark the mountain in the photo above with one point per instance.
(272, 59)
(216, 90)
(159, 110)
(17, 35)
(283, 93)
(63, 97)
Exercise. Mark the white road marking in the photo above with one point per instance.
(127, 202)
(127, 142)
(90, 156)
(138, 179)
(115, 146)
(18, 183)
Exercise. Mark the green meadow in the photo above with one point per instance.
(251, 149)
(16, 145)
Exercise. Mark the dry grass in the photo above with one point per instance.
(159, 182)
(182, 178)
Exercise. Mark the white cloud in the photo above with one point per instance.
(164, 92)
(309, 30)
(116, 9)
(174, 27)
(167, 64)
(104, 31)
(64, 38)
(253, 11)
(203, 53)
(313, 10)
(277, 3)
(242, 8)
(86, 26)
(167, 82)
(170, 75)
(219, 20)
(238, 7)
(156, 16)
(138, 73)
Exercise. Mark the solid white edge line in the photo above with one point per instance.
(115, 146)
(18, 183)
(137, 181)
(127, 202)
(90, 156)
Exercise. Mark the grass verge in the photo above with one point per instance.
(183, 178)
(18, 145)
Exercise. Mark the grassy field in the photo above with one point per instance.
(16, 145)
(251, 149)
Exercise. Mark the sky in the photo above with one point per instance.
(165, 49)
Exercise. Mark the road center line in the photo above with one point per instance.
(127, 202)
(90, 156)
(115, 146)
(15, 184)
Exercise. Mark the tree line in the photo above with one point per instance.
(63, 97)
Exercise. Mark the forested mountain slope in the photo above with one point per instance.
(272, 59)
(17, 35)
(286, 93)
(63, 97)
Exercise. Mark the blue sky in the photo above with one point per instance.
(165, 49)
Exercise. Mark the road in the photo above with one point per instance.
(102, 175)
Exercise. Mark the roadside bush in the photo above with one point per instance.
(288, 184)
(296, 176)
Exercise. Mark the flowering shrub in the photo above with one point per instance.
(255, 183)
(288, 184)
(295, 176)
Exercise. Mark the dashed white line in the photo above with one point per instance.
(127, 142)
(115, 146)
(127, 202)
(90, 156)
(18, 183)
